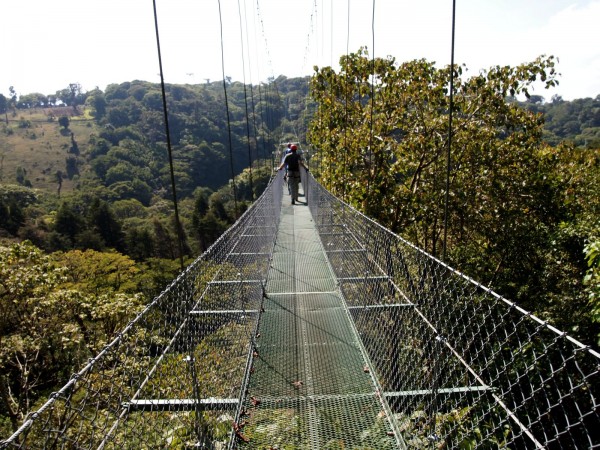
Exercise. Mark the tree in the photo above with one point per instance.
(55, 312)
(72, 166)
(139, 243)
(103, 221)
(393, 167)
(11, 216)
(68, 221)
(72, 95)
(135, 189)
(165, 243)
(592, 280)
(99, 272)
(13, 97)
(63, 121)
(74, 146)
(4, 107)
(33, 100)
(21, 176)
(59, 180)
(98, 103)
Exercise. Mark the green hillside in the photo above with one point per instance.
(35, 143)
(109, 150)
(87, 215)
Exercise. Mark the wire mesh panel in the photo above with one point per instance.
(310, 385)
(325, 331)
(173, 377)
(461, 366)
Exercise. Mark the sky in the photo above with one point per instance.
(48, 44)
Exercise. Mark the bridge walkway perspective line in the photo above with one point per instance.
(313, 327)
(311, 383)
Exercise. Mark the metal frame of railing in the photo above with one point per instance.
(458, 365)
(461, 366)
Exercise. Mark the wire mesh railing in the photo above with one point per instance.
(174, 376)
(460, 366)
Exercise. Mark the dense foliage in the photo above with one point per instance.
(114, 188)
(520, 211)
(86, 214)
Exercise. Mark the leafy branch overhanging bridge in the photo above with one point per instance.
(315, 328)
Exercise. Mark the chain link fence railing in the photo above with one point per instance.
(173, 378)
(460, 366)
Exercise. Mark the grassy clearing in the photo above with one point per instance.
(34, 141)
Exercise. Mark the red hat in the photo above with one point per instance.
(294, 148)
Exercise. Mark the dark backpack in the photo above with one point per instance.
(293, 162)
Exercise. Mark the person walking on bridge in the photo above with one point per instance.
(288, 150)
(293, 161)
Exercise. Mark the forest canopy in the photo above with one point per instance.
(86, 212)
(521, 209)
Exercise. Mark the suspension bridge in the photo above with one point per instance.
(312, 327)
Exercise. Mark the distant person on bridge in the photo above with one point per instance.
(292, 161)
(288, 150)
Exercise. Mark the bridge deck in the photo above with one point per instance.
(310, 386)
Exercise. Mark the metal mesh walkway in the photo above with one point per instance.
(311, 384)
(323, 330)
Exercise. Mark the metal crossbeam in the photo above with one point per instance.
(204, 404)
(250, 254)
(457, 390)
(218, 282)
(388, 306)
(224, 311)
(364, 279)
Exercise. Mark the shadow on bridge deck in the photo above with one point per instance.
(311, 385)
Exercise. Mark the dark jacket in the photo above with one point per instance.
(293, 162)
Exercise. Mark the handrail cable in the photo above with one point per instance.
(168, 136)
(227, 111)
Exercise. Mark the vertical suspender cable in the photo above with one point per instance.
(261, 129)
(168, 134)
(448, 164)
(252, 105)
(246, 101)
(331, 34)
(262, 113)
(371, 171)
(228, 121)
(346, 87)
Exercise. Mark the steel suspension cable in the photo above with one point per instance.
(246, 101)
(346, 115)
(371, 174)
(262, 120)
(228, 119)
(267, 86)
(252, 105)
(448, 167)
(168, 136)
(261, 112)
